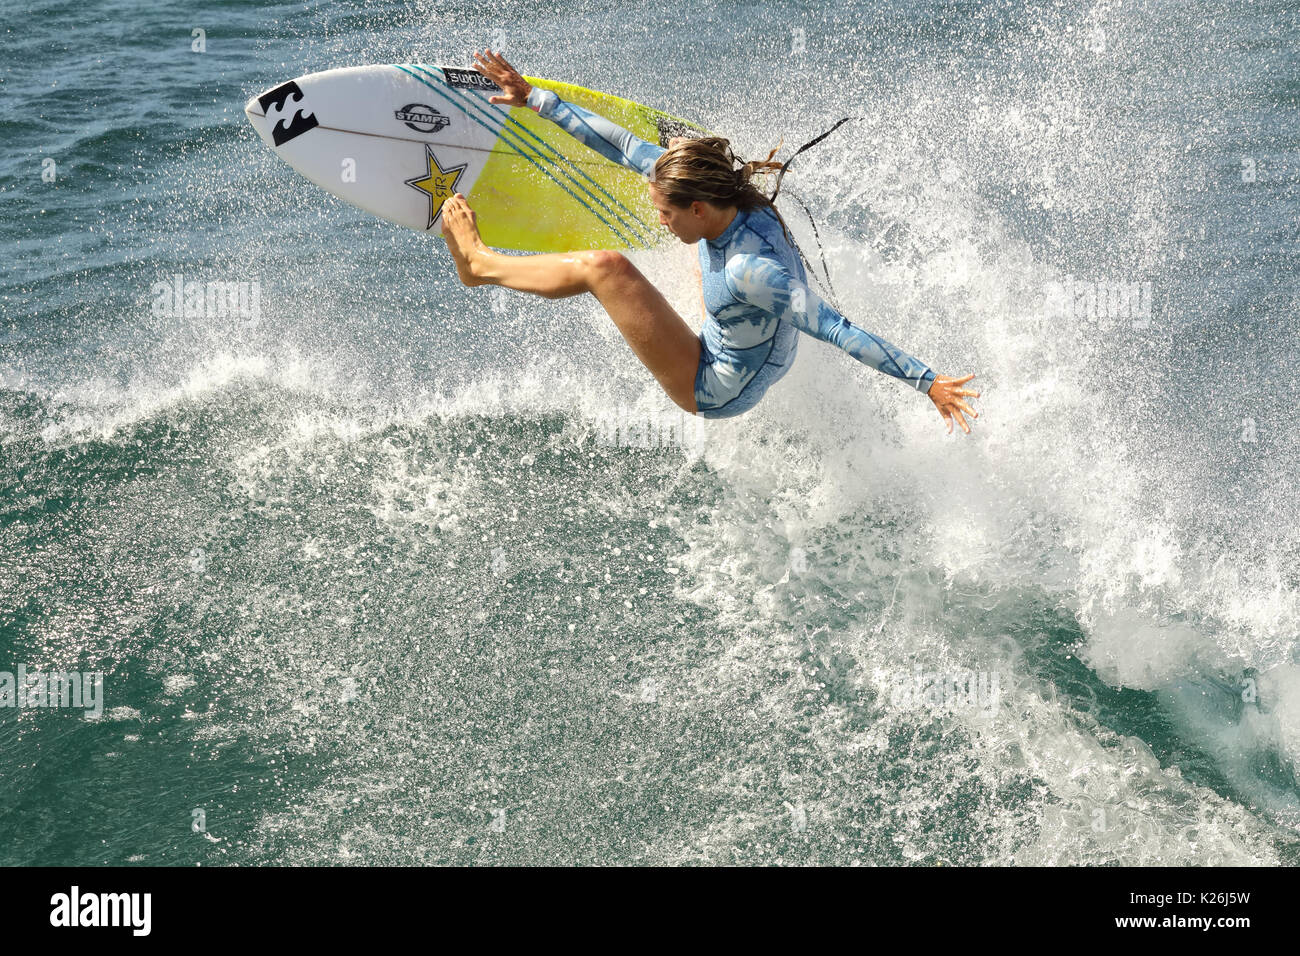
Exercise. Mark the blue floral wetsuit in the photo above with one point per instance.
(755, 288)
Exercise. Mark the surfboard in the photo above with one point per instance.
(397, 140)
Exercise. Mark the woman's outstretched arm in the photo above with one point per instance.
(591, 129)
(768, 285)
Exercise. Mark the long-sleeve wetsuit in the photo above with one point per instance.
(755, 288)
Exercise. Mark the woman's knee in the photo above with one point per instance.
(606, 263)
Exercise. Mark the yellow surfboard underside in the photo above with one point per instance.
(564, 196)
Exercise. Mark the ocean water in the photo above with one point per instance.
(371, 577)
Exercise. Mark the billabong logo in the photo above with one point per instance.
(669, 128)
(421, 118)
(468, 80)
(299, 122)
(437, 183)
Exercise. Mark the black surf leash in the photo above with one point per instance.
(809, 145)
(817, 235)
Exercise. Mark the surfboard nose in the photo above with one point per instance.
(257, 118)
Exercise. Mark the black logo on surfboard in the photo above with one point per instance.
(669, 128)
(299, 122)
(421, 118)
(468, 80)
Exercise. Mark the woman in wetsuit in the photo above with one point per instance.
(753, 283)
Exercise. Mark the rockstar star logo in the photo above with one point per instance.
(438, 184)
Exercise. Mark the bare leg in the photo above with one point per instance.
(659, 336)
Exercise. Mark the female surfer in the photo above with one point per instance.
(753, 285)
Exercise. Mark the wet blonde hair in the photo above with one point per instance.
(705, 170)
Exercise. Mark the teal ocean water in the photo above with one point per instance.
(396, 571)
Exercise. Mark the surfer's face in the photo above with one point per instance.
(681, 221)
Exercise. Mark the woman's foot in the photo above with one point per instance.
(460, 229)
